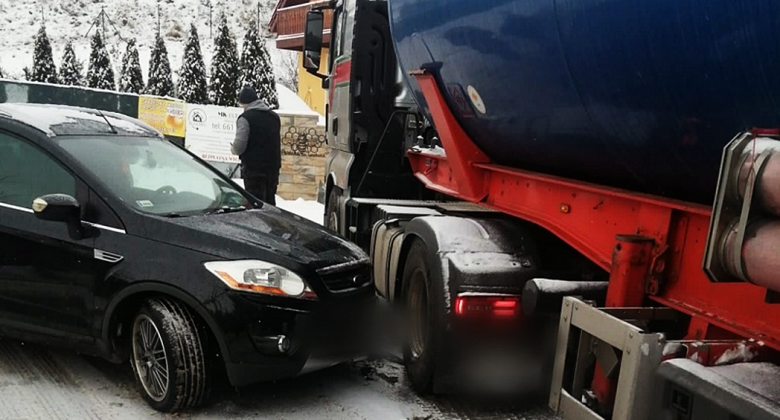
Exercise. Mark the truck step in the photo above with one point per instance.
(387, 212)
(739, 391)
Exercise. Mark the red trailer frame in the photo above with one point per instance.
(652, 247)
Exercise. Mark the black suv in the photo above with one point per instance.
(117, 243)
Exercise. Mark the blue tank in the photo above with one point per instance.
(634, 94)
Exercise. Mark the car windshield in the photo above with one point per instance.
(154, 176)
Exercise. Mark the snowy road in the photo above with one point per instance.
(42, 384)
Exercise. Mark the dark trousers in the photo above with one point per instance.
(262, 186)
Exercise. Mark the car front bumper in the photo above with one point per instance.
(265, 339)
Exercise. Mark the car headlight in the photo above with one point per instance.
(260, 277)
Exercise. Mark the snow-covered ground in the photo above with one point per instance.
(307, 209)
(71, 20)
(46, 384)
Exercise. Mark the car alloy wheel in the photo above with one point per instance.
(150, 359)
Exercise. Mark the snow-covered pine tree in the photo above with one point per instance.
(43, 69)
(131, 78)
(70, 71)
(100, 74)
(160, 81)
(256, 68)
(192, 84)
(225, 83)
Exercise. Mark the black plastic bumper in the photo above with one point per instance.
(315, 335)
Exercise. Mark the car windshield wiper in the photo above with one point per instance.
(227, 209)
(172, 215)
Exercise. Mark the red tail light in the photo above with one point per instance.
(498, 306)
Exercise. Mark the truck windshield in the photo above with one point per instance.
(154, 176)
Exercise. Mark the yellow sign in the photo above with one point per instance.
(165, 115)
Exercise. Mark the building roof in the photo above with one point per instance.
(289, 19)
(62, 120)
(281, 5)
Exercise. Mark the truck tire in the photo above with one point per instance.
(332, 210)
(423, 304)
(168, 356)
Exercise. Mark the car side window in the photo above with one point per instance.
(26, 173)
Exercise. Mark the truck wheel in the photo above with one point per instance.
(332, 210)
(168, 357)
(423, 300)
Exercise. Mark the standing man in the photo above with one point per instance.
(257, 144)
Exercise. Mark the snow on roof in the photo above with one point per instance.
(292, 104)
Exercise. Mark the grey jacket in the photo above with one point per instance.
(242, 129)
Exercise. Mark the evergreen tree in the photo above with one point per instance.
(100, 74)
(27, 74)
(70, 71)
(192, 84)
(131, 77)
(160, 80)
(43, 69)
(225, 83)
(256, 68)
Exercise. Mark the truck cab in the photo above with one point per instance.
(372, 118)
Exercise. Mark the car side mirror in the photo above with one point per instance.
(312, 40)
(60, 208)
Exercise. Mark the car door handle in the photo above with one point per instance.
(335, 126)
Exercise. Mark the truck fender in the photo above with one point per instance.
(466, 254)
(463, 250)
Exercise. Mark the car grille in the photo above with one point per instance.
(347, 278)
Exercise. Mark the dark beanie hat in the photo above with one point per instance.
(247, 95)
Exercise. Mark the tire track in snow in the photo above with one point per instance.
(38, 384)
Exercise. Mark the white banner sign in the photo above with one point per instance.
(210, 130)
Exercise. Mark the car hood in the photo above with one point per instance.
(269, 233)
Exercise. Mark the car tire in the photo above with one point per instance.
(332, 210)
(423, 307)
(167, 355)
